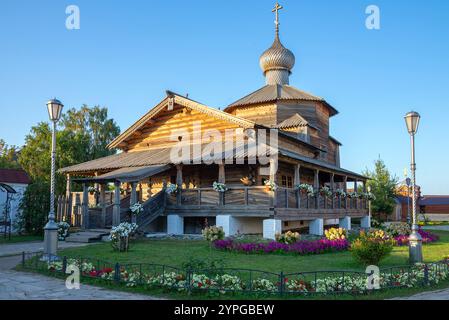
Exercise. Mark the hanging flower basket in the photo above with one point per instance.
(171, 188)
(305, 189)
(92, 190)
(368, 196)
(340, 193)
(219, 187)
(326, 192)
(136, 208)
(270, 185)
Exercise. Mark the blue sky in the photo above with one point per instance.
(127, 54)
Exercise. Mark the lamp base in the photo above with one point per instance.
(50, 240)
(415, 248)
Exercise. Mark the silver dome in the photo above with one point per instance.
(277, 57)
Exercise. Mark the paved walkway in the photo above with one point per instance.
(30, 286)
(18, 248)
(440, 228)
(432, 295)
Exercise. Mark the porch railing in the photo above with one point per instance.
(261, 197)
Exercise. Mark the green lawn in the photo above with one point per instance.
(20, 238)
(176, 252)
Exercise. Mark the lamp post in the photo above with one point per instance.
(408, 182)
(415, 240)
(54, 107)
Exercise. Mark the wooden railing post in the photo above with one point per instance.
(246, 196)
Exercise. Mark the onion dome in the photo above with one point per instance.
(277, 62)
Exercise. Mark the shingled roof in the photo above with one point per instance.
(14, 176)
(294, 121)
(272, 93)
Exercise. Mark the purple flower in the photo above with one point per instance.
(427, 237)
(300, 247)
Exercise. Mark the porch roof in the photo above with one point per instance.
(321, 164)
(131, 174)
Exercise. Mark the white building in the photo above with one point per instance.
(19, 181)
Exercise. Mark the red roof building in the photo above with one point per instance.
(16, 176)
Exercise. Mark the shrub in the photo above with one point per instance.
(398, 229)
(120, 235)
(335, 234)
(63, 230)
(288, 237)
(34, 208)
(370, 249)
(213, 233)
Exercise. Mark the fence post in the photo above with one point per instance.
(23, 259)
(64, 264)
(117, 273)
(189, 281)
(426, 275)
(281, 284)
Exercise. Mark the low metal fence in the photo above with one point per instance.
(224, 281)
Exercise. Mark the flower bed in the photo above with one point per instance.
(300, 247)
(427, 237)
(173, 279)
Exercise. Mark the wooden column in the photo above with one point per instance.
(297, 181)
(133, 200)
(221, 173)
(273, 178)
(116, 209)
(221, 179)
(68, 200)
(316, 185)
(345, 189)
(103, 204)
(356, 190)
(179, 183)
(332, 189)
(85, 222)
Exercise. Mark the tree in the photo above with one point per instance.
(8, 156)
(383, 187)
(82, 136)
(93, 123)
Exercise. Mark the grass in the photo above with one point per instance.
(177, 252)
(20, 238)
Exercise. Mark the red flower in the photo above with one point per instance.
(107, 270)
(200, 284)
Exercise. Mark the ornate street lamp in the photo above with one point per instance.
(54, 107)
(408, 182)
(415, 240)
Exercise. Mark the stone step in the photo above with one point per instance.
(87, 236)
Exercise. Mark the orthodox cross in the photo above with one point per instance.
(276, 9)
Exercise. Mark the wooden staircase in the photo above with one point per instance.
(153, 208)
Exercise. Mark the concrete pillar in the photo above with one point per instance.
(271, 227)
(316, 227)
(116, 209)
(228, 223)
(85, 224)
(175, 224)
(365, 222)
(345, 223)
(273, 178)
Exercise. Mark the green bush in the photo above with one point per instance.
(34, 208)
(213, 233)
(369, 250)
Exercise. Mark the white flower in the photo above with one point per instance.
(219, 187)
(136, 208)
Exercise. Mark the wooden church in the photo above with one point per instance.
(170, 158)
